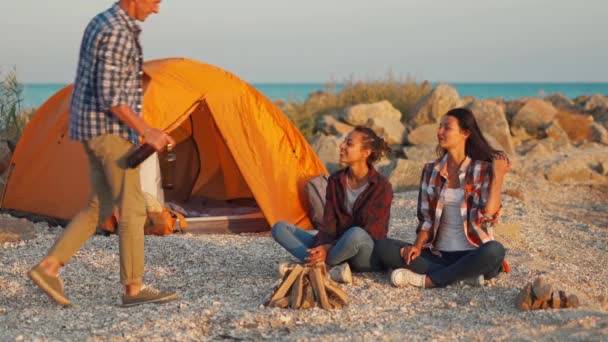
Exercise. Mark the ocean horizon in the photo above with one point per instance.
(35, 94)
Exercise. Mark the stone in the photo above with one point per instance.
(542, 289)
(556, 132)
(532, 118)
(15, 230)
(361, 113)
(329, 125)
(513, 106)
(576, 126)
(523, 301)
(572, 171)
(598, 134)
(390, 130)
(327, 148)
(422, 152)
(572, 301)
(492, 120)
(560, 101)
(433, 107)
(5, 156)
(403, 174)
(425, 134)
(596, 103)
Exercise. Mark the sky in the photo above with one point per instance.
(333, 40)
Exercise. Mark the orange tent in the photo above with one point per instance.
(233, 143)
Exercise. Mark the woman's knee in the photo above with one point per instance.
(278, 229)
(494, 250)
(358, 235)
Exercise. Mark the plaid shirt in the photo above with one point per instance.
(475, 178)
(109, 74)
(371, 210)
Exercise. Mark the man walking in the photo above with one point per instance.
(105, 116)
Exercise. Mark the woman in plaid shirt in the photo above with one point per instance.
(356, 213)
(458, 202)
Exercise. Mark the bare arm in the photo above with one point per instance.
(500, 167)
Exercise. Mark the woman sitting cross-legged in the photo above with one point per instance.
(458, 202)
(356, 213)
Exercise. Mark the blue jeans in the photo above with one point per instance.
(355, 246)
(448, 268)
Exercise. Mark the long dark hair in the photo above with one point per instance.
(373, 142)
(476, 146)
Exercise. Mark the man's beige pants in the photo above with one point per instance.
(112, 185)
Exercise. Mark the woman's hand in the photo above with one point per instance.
(317, 254)
(501, 165)
(409, 253)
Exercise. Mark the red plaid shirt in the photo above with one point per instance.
(371, 210)
(475, 178)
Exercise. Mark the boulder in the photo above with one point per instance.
(544, 147)
(576, 126)
(15, 230)
(361, 113)
(403, 174)
(513, 106)
(422, 152)
(331, 126)
(390, 130)
(598, 134)
(425, 134)
(5, 156)
(560, 101)
(492, 120)
(556, 132)
(532, 118)
(434, 106)
(573, 171)
(327, 147)
(596, 103)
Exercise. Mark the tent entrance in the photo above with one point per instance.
(209, 187)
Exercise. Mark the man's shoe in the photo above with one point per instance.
(148, 295)
(402, 277)
(341, 273)
(52, 286)
(474, 281)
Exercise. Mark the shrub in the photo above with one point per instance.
(12, 119)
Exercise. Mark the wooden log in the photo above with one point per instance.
(308, 300)
(295, 296)
(286, 285)
(279, 303)
(336, 292)
(318, 286)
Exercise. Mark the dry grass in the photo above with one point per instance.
(12, 119)
(403, 93)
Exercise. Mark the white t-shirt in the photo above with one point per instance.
(451, 236)
(351, 196)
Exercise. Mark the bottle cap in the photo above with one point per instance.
(169, 147)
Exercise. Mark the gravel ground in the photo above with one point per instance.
(223, 280)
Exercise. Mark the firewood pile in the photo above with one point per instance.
(305, 287)
(540, 294)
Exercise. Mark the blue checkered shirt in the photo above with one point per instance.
(109, 74)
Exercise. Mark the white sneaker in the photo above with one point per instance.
(341, 273)
(474, 281)
(402, 277)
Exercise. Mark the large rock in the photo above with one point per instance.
(5, 156)
(598, 134)
(560, 101)
(532, 118)
(425, 134)
(434, 106)
(331, 126)
(422, 152)
(403, 174)
(327, 147)
(491, 119)
(514, 106)
(573, 171)
(361, 113)
(544, 147)
(390, 130)
(596, 103)
(14, 230)
(576, 126)
(555, 131)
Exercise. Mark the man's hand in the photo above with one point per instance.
(317, 254)
(409, 253)
(157, 138)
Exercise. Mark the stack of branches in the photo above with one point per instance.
(304, 287)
